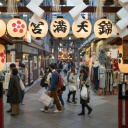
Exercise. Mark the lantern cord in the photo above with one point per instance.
(99, 9)
(12, 6)
(56, 6)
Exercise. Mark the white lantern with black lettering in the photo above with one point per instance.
(82, 30)
(2, 28)
(103, 28)
(16, 27)
(38, 30)
(60, 27)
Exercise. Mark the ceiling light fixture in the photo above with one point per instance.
(1, 3)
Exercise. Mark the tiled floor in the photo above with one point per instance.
(104, 114)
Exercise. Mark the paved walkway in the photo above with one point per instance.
(104, 114)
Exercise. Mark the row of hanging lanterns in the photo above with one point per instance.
(59, 27)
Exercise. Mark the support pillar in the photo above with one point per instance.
(78, 57)
(1, 106)
(56, 52)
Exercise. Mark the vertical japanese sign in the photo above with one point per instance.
(38, 30)
(103, 28)
(82, 30)
(60, 28)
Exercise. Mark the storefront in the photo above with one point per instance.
(103, 63)
(31, 56)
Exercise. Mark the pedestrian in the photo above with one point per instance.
(45, 81)
(21, 73)
(14, 92)
(12, 65)
(60, 92)
(72, 84)
(83, 102)
(53, 89)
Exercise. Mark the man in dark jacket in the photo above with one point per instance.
(53, 89)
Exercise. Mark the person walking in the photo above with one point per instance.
(53, 89)
(72, 84)
(60, 92)
(83, 102)
(14, 92)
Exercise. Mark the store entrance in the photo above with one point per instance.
(30, 70)
(28, 61)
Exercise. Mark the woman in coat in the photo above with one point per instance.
(72, 84)
(14, 92)
(83, 102)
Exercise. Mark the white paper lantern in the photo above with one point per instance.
(2, 57)
(40, 30)
(60, 27)
(82, 30)
(2, 28)
(16, 27)
(103, 28)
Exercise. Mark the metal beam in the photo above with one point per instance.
(73, 47)
(65, 41)
(66, 9)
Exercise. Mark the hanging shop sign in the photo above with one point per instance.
(2, 28)
(60, 27)
(2, 57)
(103, 28)
(16, 27)
(82, 30)
(38, 30)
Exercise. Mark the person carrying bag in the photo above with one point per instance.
(72, 84)
(84, 93)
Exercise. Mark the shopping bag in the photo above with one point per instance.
(72, 87)
(84, 93)
(45, 99)
(22, 85)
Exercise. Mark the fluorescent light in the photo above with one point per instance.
(1, 4)
(70, 38)
(24, 15)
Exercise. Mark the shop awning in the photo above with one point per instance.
(5, 40)
(115, 41)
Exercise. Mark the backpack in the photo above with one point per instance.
(60, 83)
(42, 83)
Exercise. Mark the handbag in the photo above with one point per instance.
(21, 84)
(45, 99)
(72, 88)
(84, 93)
(63, 88)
